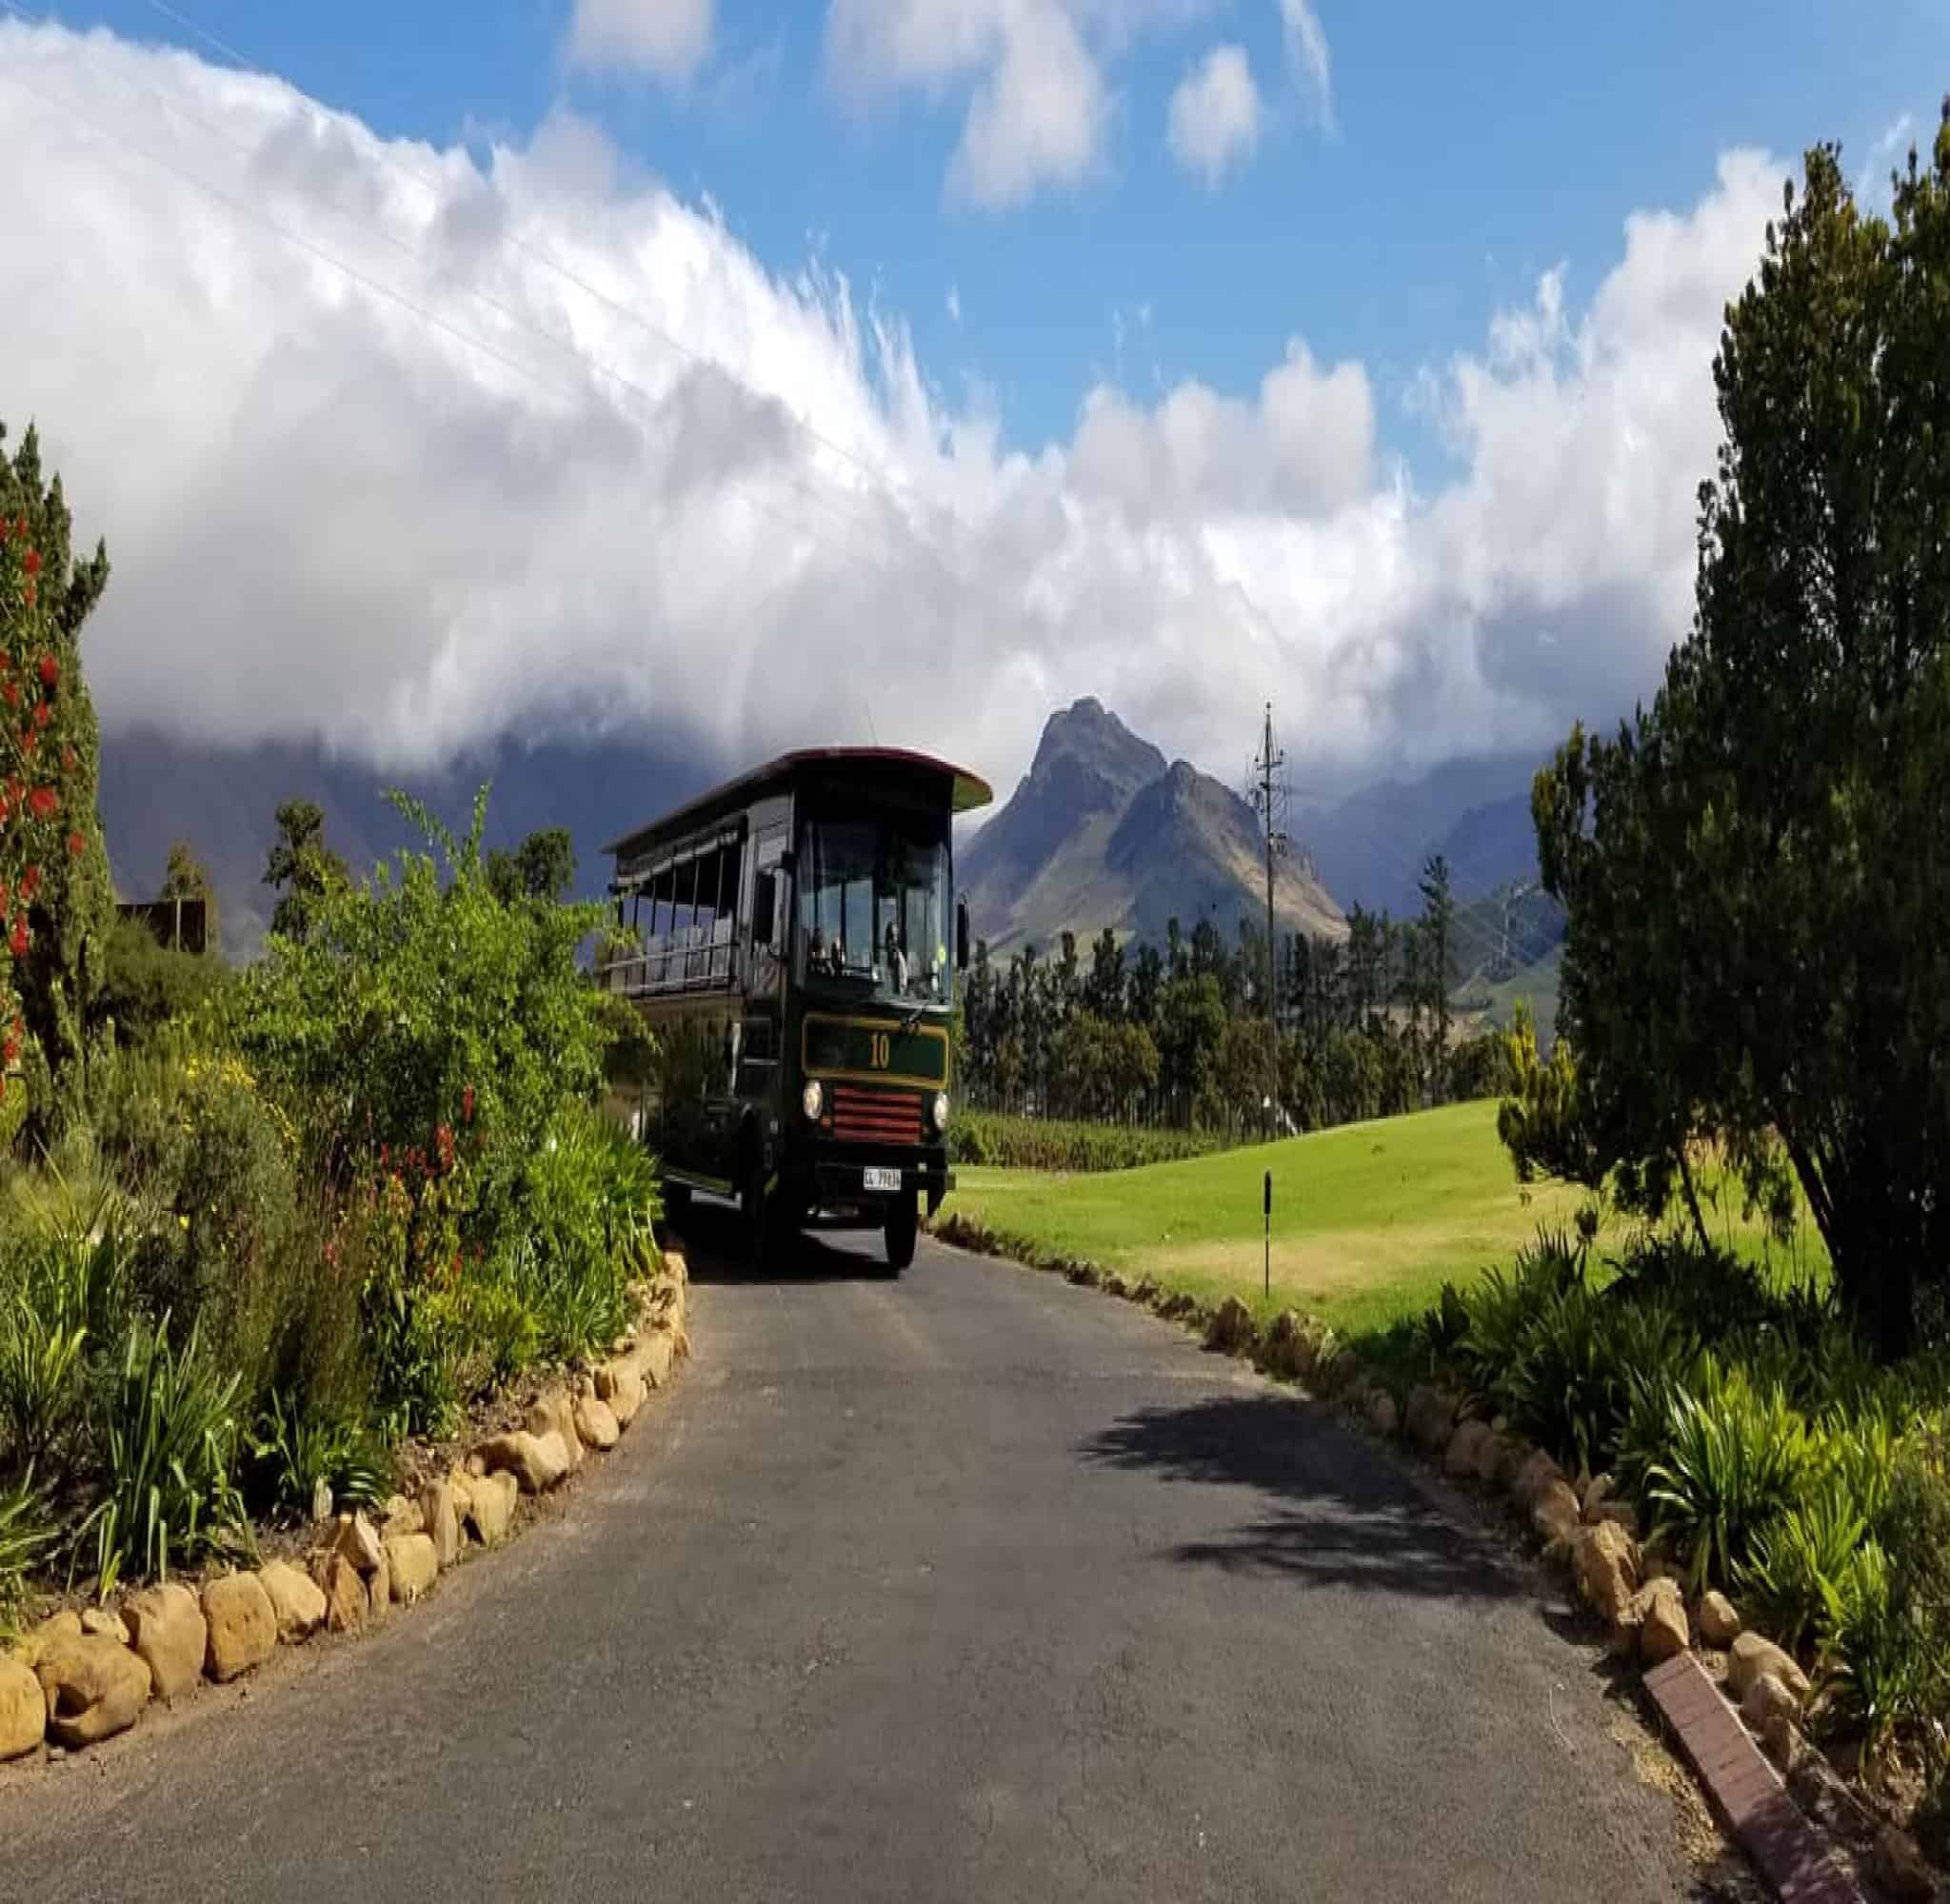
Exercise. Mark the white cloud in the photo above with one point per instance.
(1039, 110)
(955, 303)
(669, 39)
(1305, 447)
(1040, 105)
(1307, 54)
(1214, 120)
(330, 517)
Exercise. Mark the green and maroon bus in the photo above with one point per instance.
(792, 940)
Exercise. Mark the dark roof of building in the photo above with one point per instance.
(968, 790)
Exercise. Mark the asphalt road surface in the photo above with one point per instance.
(969, 1585)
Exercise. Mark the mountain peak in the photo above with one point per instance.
(1089, 736)
(1104, 832)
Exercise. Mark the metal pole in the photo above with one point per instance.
(1269, 763)
(1268, 1285)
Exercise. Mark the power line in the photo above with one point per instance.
(818, 497)
(875, 475)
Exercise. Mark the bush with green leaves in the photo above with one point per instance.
(1555, 1353)
(293, 1453)
(147, 985)
(422, 1001)
(587, 1202)
(1873, 1665)
(438, 1045)
(1795, 1561)
(168, 1442)
(1736, 1457)
(67, 1276)
(1051, 1143)
(26, 1535)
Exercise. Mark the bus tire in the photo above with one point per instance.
(676, 1202)
(902, 1223)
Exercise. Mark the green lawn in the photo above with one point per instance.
(1368, 1220)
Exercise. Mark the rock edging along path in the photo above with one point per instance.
(1583, 1531)
(81, 1678)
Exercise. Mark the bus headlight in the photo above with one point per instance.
(941, 1110)
(812, 1101)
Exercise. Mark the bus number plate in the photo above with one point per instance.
(872, 1178)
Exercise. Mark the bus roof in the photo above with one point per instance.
(966, 790)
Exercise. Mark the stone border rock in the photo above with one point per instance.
(1583, 1529)
(79, 1677)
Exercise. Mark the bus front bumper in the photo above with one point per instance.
(838, 1181)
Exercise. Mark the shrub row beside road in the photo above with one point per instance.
(81, 1676)
(259, 1230)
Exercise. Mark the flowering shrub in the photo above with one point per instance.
(33, 760)
(56, 898)
(433, 1041)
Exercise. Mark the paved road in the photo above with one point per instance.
(972, 1585)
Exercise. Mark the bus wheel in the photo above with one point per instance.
(901, 1225)
(676, 1202)
(761, 1215)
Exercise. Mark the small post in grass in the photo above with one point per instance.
(1268, 1201)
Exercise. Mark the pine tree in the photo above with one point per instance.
(301, 867)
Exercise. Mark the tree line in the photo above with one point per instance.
(1179, 1034)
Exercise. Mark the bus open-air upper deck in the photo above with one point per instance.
(792, 938)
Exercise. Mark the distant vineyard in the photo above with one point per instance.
(1037, 1143)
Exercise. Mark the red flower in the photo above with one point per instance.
(16, 944)
(33, 562)
(77, 844)
(10, 694)
(50, 670)
(468, 1105)
(44, 712)
(443, 1139)
(70, 759)
(29, 883)
(20, 527)
(44, 802)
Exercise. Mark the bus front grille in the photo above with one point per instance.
(875, 1117)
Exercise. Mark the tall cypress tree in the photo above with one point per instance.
(73, 902)
(1439, 924)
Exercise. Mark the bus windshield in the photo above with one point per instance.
(873, 906)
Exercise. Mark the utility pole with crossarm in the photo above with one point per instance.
(1269, 799)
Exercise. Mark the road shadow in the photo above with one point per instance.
(714, 1250)
(1337, 1513)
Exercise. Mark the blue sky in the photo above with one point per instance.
(1355, 358)
(1472, 148)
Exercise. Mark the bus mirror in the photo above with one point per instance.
(961, 935)
(764, 909)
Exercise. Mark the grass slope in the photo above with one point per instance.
(1368, 1220)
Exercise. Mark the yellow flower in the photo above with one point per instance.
(184, 1222)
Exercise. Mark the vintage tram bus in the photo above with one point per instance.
(792, 939)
